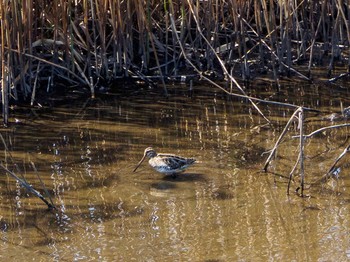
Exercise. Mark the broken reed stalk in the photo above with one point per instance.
(42, 183)
(299, 113)
(274, 55)
(313, 45)
(279, 140)
(93, 41)
(22, 181)
(292, 172)
(300, 160)
(100, 31)
(35, 85)
(28, 187)
(222, 64)
(250, 98)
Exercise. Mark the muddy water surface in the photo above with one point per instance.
(221, 209)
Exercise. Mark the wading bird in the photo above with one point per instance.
(166, 163)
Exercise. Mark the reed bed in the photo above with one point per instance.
(46, 45)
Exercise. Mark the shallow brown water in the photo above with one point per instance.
(222, 209)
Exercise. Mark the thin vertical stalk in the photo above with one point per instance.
(55, 52)
(128, 51)
(312, 46)
(346, 24)
(87, 37)
(29, 23)
(348, 32)
(259, 30)
(334, 44)
(4, 75)
(291, 173)
(112, 7)
(269, 19)
(101, 12)
(301, 147)
(94, 36)
(166, 18)
(18, 30)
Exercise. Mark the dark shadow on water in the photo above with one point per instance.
(222, 194)
(163, 189)
(163, 185)
(107, 211)
(185, 177)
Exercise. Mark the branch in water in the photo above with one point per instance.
(28, 187)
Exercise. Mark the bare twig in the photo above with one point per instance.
(336, 78)
(326, 176)
(324, 129)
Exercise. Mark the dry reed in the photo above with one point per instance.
(88, 42)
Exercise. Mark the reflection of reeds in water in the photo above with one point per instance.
(87, 42)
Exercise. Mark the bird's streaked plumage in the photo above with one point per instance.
(167, 164)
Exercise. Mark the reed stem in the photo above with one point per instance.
(92, 41)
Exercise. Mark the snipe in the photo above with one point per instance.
(166, 163)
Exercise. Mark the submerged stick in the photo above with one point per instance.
(28, 187)
(291, 173)
(42, 183)
(326, 176)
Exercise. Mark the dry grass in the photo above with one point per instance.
(88, 42)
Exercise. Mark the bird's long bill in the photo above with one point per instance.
(143, 158)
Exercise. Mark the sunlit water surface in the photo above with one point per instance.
(221, 209)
